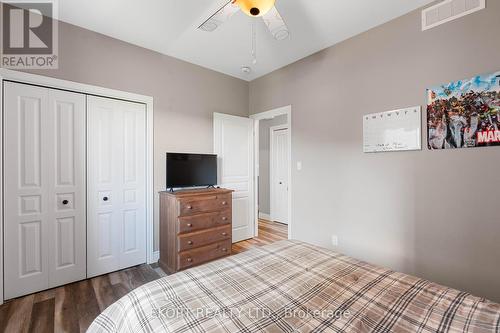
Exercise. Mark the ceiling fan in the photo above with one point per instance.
(253, 8)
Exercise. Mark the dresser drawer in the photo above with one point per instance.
(205, 204)
(204, 221)
(203, 254)
(203, 237)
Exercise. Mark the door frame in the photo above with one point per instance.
(285, 110)
(49, 82)
(272, 186)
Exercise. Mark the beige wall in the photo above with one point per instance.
(431, 213)
(264, 161)
(185, 95)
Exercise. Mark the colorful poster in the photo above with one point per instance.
(464, 114)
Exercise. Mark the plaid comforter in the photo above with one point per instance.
(291, 286)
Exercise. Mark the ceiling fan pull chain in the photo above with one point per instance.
(254, 44)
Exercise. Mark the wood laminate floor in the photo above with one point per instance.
(269, 232)
(73, 307)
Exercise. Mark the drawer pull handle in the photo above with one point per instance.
(224, 249)
(189, 260)
(224, 218)
(189, 207)
(65, 202)
(224, 234)
(224, 203)
(190, 242)
(189, 225)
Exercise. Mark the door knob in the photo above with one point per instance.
(224, 203)
(189, 260)
(224, 249)
(189, 207)
(189, 225)
(281, 183)
(65, 202)
(224, 218)
(190, 242)
(224, 234)
(105, 198)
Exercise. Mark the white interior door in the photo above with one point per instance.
(279, 174)
(233, 144)
(116, 180)
(44, 186)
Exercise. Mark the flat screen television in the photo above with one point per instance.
(191, 170)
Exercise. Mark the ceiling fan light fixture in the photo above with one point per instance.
(255, 8)
(255, 11)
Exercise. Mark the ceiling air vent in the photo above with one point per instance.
(449, 10)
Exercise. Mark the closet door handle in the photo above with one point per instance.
(65, 202)
(105, 199)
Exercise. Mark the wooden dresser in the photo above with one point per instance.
(195, 227)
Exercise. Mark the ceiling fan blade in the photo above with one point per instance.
(221, 16)
(276, 24)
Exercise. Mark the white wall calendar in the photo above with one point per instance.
(397, 130)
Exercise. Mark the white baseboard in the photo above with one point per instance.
(264, 216)
(155, 257)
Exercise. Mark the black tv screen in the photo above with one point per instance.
(189, 170)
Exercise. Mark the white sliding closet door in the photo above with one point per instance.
(44, 187)
(67, 255)
(116, 181)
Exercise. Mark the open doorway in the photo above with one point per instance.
(273, 173)
(273, 169)
(239, 171)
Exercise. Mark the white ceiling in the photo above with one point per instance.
(170, 27)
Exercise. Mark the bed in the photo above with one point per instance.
(291, 286)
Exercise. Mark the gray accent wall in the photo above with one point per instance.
(264, 161)
(185, 95)
(434, 214)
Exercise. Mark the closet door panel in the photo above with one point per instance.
(116, 185)
(133, 194)
(44, 201)
(67, 251)
(26, 196)
(102, 154)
